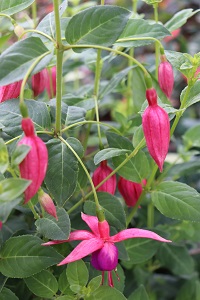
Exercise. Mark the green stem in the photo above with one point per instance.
(135, 5)
(129, 85)
(117, 52)
(90, 122)
(30, 205)
(22, 105)
(157, 48)
(98, 207)
(96, 93)
(34, 13)
(102, 2)
(7, 16)
(59, 60)
(12, 140)
(38, 32)
(150, 215)
(140, 39)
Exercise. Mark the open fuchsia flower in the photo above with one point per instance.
(10, 91)
(166, 76)
(156, 127)
(100, 174)
(34, 165)
(39, 81)
(101, 245)
(130, 190)
(51, 82)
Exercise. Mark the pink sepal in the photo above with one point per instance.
(83, 249)
(136, 233)
(92, 222)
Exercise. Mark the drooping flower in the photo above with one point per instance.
(39, 82)
(34, 165)
(130, 190)
(10, 91)
(100, 244)
(51, 82)
(100, 174)
(47, 203)
(166, 76)
(156, 127)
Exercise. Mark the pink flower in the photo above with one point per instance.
(39, 81)
(130, 190)
(34, 165)
(156, 127)
(1, 225)
(100, 174)
(47, 203)
(10, 91)
(100, 244)
(51, 82)
(173, 35)
(166, 77)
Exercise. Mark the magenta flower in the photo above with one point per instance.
(10, 91)
(166, 76)
(100, 174)
(101, 245)
(39, 81)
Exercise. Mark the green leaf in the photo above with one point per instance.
(62, 163)
(187, 290)
(177, 200)
(53, 229)
(137, 249)
(191, 137)
(43, 284)
(113, 210)
(6, 208)
(151, 2)
(79, 101)
(98, 25)
(4, 158)
(186, 168)
(15, 61)
(193, 96)
(77, 273)
(177, 59)
(19, 154)
(118, 141)
(105, 293)
(7, 294)
(176, 258)
(139, 28)
(11, 188)
(179, 19)
(12, 7)
(139, 294)
(95, 283)
(109, 153)
(10, 116)
(28, 253)
(63, 284)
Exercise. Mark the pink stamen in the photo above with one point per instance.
(102, 278)
(110, 280)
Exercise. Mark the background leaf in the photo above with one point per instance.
(12, 7)
(139, 294)
(7, 294)
(193, 96)
(11, 188)
(108, 153)
(4, 158)
(26, 251)
(105, 293)
(179, 19)
(77, 273)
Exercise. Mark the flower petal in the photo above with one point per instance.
(92, 222)
(83, 249)
(136, 233)
(78, 235)
(106, 258)
(55, 242)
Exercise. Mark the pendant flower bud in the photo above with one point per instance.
(47, 203)
(101, 245)
(100, 174)
(130, 190)
(166, 76)
(34, 165)
(39, 81)
(156, 127)
(51, 82)
(10, 91)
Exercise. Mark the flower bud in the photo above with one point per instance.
(18, 30)
(165, 77)
(39, 81)
(1, 225)
(34, 165)
(130, 190)
(51, 82)
(47, 203)
(100, 174)
(156, 127)
(10, 91)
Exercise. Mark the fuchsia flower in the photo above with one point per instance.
(166, 76)
(10, 91)
(39, 81)
(173, 35)
(100, 174)
(101, 245)
(47, 203)
(130, 190)
(51, 82)
(156, 127)
(34, 165)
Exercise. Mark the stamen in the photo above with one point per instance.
(102, 278)
(110, 280)
(118, 278)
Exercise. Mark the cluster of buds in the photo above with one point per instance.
(156, 127)
(34, 165)
(130, 190)
(45, 79)
(100, 174)
(10, 91)
(165, 76)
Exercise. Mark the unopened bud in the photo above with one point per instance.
(166, 76)
(18, 30)
(47, 203)
(100, 174)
